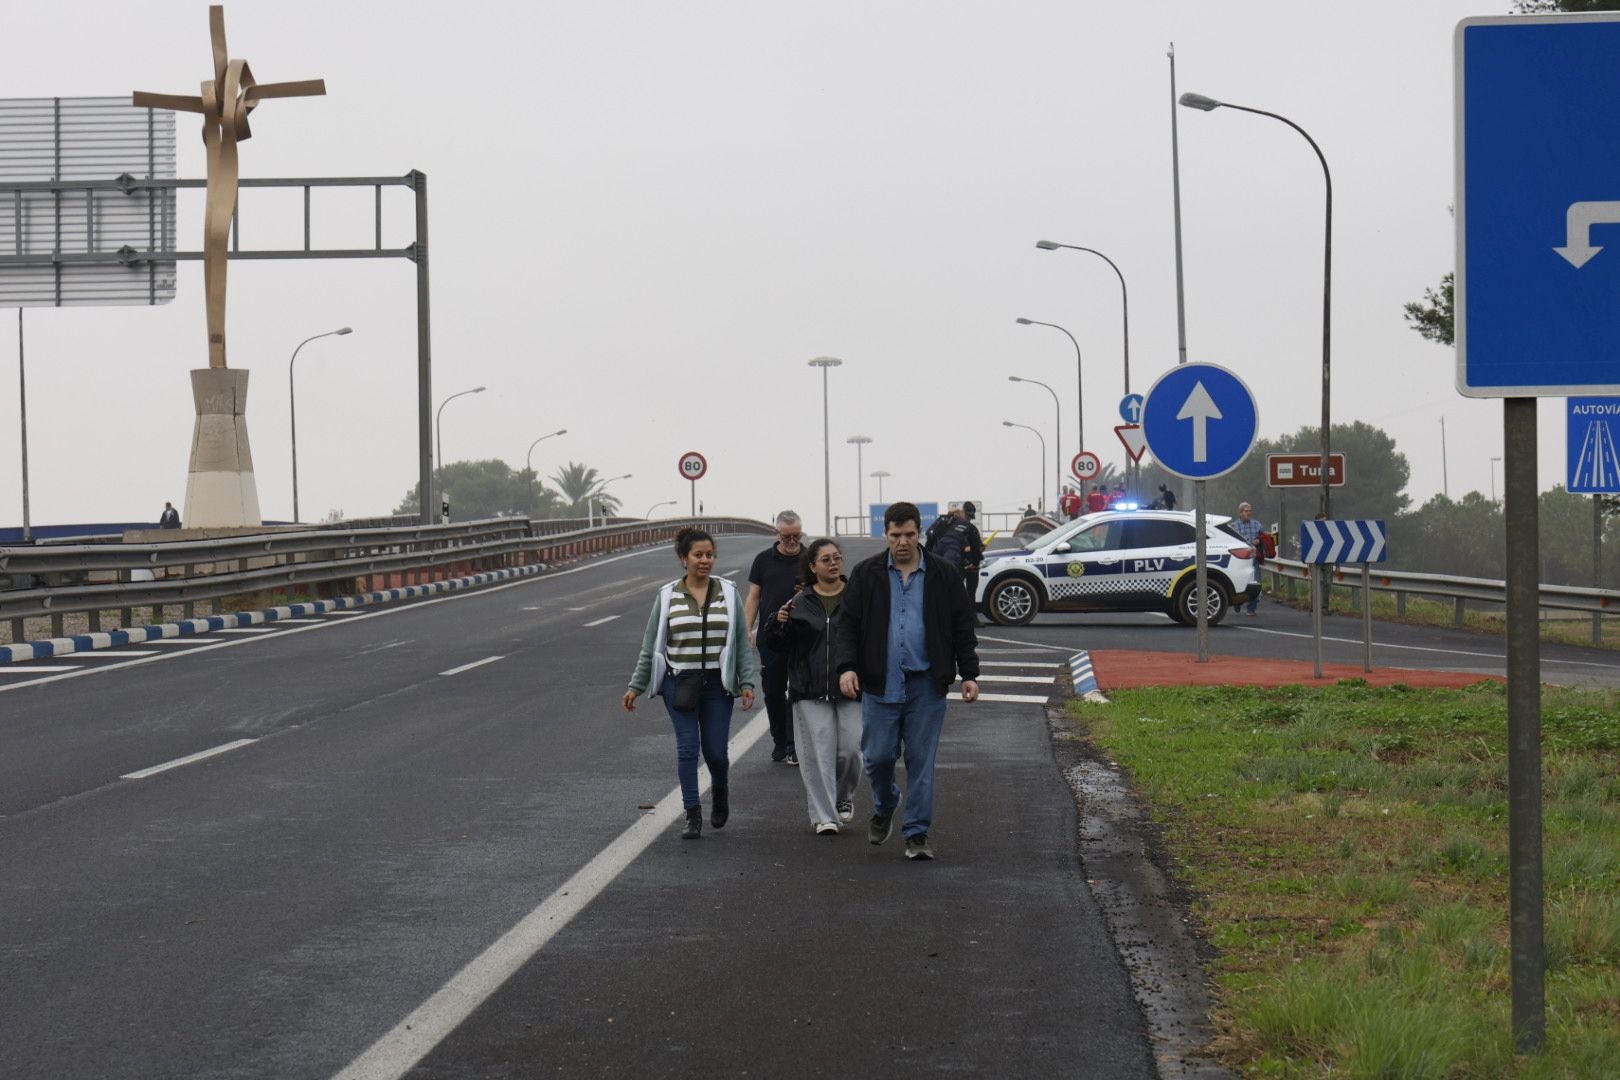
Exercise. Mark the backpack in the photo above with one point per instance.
(945, 541)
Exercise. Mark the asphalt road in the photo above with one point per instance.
(421, 845)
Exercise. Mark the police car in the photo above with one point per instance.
(1119, 560)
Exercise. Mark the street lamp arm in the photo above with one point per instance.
(1124, 296)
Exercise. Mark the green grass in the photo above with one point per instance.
(1348, 848)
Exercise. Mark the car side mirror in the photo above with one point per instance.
(1062, 548)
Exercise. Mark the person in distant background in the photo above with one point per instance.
(1069, 504)
(1167, 498)
(1248, 528)
(170, 518)
(1097, 499)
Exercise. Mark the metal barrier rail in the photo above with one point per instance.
(1450, 587)
(348, 556)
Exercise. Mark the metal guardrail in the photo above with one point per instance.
(1459, 590)
(229, 566)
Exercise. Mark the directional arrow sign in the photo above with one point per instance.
(1342, 541)
(1199, 420)
(1130, 408)
(1538, 181)
(1131, 436)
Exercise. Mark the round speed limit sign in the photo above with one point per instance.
(693, 465)
(1085, 465)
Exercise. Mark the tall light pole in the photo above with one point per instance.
(825, 362)
(860, 442)
(1079, 389)
(1057, 426)
(438, 431)
(292, 406)
(1445, 471)
(1038, 435)
(22, 405)
(1494, 460)
(1207, 104)
(590, 496)
(880, 474)
(528, 459)
(654, 506)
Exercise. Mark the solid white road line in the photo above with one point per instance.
(243, 630)
(1420, 648)
(290, 622)
(475, 663)
(1022, 699)
(603, 619)
(1026, 645)
(23, 669)
(1046, 664)
(993, 677)
(187, 760)
(397, 1052)
(116, 653)
(350, 611)
(189, 640)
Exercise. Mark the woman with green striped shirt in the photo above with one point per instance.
(695, 655)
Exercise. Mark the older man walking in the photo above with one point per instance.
(775, 576)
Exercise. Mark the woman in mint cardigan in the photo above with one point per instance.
(696, 634)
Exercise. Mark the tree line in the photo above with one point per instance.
(492, 488)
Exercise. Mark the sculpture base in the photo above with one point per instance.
(220, 489)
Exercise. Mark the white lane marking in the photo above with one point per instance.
(116, 652)
(290, 622)
(535, 607)
(1022, 699)
(188, 759)
(993, 677)
(1014, 663)
(244, 630)
(23, 669)
(206, 646)
(1421, 648)
(397, 1052)
(1026, 644)
(382, 648)
(586, 608)
(603, 619)
(475, 663)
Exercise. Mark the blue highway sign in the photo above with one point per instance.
(1537, 300)
(1199, 420)
(1594, 446)
(1130, 408)
(1342, 541)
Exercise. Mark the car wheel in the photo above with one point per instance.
(1184, 607)
(1012, 601)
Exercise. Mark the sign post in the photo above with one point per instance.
(692, 466)
(1200, 421)
(1534, 317)
(1324, 543)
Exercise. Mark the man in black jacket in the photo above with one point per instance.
(908, 632)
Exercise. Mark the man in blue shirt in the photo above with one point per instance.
(908, 632)
(1248, 528)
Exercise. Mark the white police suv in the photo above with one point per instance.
(1119, 560)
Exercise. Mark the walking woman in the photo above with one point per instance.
(826, 724)
(695, 656)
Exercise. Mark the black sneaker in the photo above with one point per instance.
(917, 847)
(880, 828)
(846, 810)
(791, 759)
(778, 753)
(694, 824)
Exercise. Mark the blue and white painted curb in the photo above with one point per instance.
(66, 646)
(1085, 680)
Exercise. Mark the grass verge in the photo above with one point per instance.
(1348, 846)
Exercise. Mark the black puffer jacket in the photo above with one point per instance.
(810, 641)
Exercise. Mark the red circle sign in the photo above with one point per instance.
(693, 465)
(1085, 465)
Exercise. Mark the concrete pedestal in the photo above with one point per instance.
(220, 490)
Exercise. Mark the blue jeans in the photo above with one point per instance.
(707, 727)
(915, 723)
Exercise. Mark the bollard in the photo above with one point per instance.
(125, 617)
(1400, 605)
(95, 622)
(1457, 619)
(56, 624)
(17, 635)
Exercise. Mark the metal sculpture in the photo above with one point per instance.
(225, 102)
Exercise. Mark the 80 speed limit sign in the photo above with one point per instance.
(693, 465)
(1085, 465)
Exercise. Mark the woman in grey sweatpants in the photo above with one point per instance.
(826, 725)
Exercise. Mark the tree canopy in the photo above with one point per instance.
(484, 489)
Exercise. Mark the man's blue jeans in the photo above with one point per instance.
(912, 726)
(708, 727)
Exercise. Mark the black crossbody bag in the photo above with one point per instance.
(689, 684)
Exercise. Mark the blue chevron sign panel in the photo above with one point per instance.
(1343, 541)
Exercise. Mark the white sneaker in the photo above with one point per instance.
(826, 827)
(846, 811)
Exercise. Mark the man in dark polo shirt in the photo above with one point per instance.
(774, 578)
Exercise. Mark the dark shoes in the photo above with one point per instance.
(917, 847)
(779, 753)
(721, 813)
(694, 824)
(880, 828)
(791, 759)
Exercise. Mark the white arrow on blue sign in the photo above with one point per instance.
(1130, 408)
(1342, 541)
(1199, 420)
(1594, 446)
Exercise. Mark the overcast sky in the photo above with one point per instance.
(647, 217)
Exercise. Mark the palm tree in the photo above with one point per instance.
(575, 481)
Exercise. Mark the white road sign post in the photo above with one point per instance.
(693, 465)
(1324, 543)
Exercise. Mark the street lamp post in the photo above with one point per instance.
(438, 431)
(654, 506)
(825, 362)
(528, 459)
(1079, 389)
(1038, 435)
(292, 406)
(1207, 104)
(590, 497)
(880, 474)
(860, 442)
(1057, 428)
